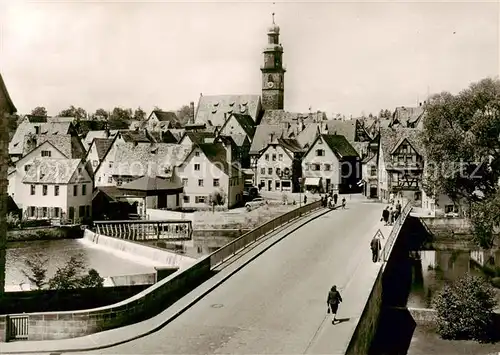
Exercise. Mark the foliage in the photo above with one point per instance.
(218, 198)
(13, 221)
(184, 115)
(78, 113)
(139, 114)
(39, 111)
(385, 114)
(284, 198)
(120, 118)
(37, 270)
(100, 114)
(70, 276)
(465, 309)
(461, 140)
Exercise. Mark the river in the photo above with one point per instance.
(59, 252)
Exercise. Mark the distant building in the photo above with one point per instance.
(331, 163)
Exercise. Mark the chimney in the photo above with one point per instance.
(271, 138)
(420, 104)
(191, 109)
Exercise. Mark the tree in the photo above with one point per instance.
(39, 111)
(465, 309)
(78, 113)
(120, 118)
(217, 198)
(184, 114)
(100, 114)
(461, 139)
(37, 270)
(139, 114)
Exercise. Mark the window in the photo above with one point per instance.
(185, 182)
(75, 190)
(31, 211)
(216, 182)
(44, 190)
(99, 179)
(27, 167)
(56, 190)
(200, 182)
(81, 211)
(404, 148)
(110, 180)
(119, 182)
(278, 171)
(197, 153)
(280, 157)
(196, 167)
(409, 159)
(373, 170)
(263, 171)
(306, 166)
(87, 211)
(110, 164)
(37, 129)
(262, 183)
(328, 167)
(57, 211)
(320, 152)
(316, 167)
(200, 199)
(269, 171)
(266, 156)
(95, 162)
(84, 190)
(274, 157)
(32, 189)
(277, 184)
(286, 184)
(44, 212)
(185, 198)
(46, 153)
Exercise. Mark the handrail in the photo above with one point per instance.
(386, 252)
(233, 247)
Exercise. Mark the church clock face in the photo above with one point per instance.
(270, 84)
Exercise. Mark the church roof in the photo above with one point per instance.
(6, 97)
(214, 109)
(280, 116)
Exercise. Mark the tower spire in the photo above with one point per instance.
(273, 18)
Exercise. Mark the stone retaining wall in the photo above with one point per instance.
(146, 304)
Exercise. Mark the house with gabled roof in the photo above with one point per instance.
(102, 134)
(238, 124)
(369, 172)
(208, 170)
(162, 120)
(331, 163)
(58, 189)
(400, 164)
(97, 151)
(190, 138)
(213, 110)
(409, 117)
(278, 167)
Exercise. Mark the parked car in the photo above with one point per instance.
(256, 202)
(451, 214)
(250, 192)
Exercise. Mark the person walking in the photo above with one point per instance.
(391, 216)
(335, 198)
(398, 207)
(343, 202)
(333, 302)
(385, 216)
(375, 246)
(305, 200)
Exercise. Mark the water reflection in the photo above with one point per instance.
(432, 269)
(59, 252)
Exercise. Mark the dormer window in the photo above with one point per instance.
(154, 150)
(37, 129)
(231, 103)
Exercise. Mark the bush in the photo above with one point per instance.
(465, 309)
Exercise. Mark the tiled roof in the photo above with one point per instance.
(390, 137)
(16, 145)
(98, 134)
(291, 144)
(51, 171)
(343, 128)
(177, 132)
(309, 134)
(168, 137)
(61, 141)
(60, 119)
(369, 157)
(148, 183)
(280, 116)
(407, 116)
(239, 139)
(133, 159)
(199, 137)
(340, 145)
(5, 93)
(213, 109)
(263, 133)
(165, 116)
(135, 136)
(217, 154)
(102, 146)
(247, 123)
(361, 147)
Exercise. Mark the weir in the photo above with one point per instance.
(172, 230)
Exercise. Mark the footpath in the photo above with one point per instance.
(128, 333)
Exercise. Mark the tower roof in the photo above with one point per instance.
(274, 28)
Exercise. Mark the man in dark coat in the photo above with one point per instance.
(385, 215)
(333, 302)
(335, 198)
(375, 247)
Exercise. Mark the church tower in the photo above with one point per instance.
(273, 73)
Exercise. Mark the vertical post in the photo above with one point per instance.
(98, 229)
(158, 231)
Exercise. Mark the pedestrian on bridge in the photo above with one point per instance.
(385, 215)
(333, 302)
(375, 246)
(335, 198)
(343, 202)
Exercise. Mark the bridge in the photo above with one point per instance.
(269, 299)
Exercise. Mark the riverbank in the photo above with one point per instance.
(44, 233)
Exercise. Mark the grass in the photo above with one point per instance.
(426, 341)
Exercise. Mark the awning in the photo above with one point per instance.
(312, 181)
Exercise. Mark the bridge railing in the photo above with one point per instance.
(386, 252)
(242, 242)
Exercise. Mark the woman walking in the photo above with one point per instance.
(333, 302)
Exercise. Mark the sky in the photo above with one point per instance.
(341, 57)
